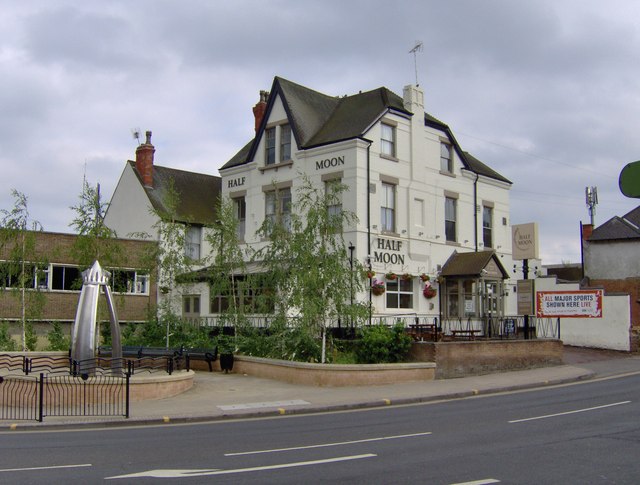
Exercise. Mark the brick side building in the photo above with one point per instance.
(56, 279)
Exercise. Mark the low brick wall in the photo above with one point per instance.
(333, 375)
(159, 386)
(459, 359)
(143, 385)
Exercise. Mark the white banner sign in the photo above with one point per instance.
(569, 304)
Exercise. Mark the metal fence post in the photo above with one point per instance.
(41, 397)
(126, 404)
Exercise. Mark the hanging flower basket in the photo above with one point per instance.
(429, 292)
(407, 277)
(391, 276)
(377, 287)
(369, 274)
(425, 277)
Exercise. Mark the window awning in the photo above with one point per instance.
(481, 264)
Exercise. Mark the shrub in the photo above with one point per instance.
(383, 344)
(6, 342)
(57, 339)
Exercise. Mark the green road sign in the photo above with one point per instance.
(629, 181)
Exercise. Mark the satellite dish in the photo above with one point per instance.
(629, 181)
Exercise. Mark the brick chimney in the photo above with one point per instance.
(144, 161)
(587, 230)
(260, 108)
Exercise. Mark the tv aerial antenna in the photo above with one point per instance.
(135, 133)
(416, 48)
(591, 198)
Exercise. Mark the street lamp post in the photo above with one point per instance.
(351, 249)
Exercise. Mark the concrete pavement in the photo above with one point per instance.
(216, 396)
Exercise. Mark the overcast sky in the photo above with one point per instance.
(545, 92)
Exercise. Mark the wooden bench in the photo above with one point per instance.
(422, 331)
(469, 334)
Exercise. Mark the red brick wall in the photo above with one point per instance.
(61, 305)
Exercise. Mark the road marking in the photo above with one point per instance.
(201, 473)
(52, 467)
(478, 482)
(326, 445)
(255, 405)
(570, 412)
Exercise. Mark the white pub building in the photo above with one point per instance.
(429, 213)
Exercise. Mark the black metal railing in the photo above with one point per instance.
(32, 388)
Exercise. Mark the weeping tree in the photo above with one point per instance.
(172, 260)
(227, 260)
(95, 240)
(19, 270)
(307, 262)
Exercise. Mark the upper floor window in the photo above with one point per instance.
(388, 140)
(240, 213)
(487, 226)
(388, 207)
(446, 160)
(34, 276)
(450, 209)
(270, 146)
(129, 281)
(66, 278)
(192, 239)
(333, 197)
(278, 207)
(285, 143)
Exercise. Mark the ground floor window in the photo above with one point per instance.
(400, 293)
(472, 297)
(191, 306)
(247, 293)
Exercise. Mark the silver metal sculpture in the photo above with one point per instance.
(83, 341)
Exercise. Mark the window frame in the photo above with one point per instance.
(135, 282)
(388, 144)
(192, 246)
(388, 212)
(240, 213)
(451, 224)
(446, 163)
(487, 226)
(270, 146)
(280, 201)
(285, 143)
(399, 294)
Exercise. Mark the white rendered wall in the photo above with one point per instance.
(420, 198)
(609, 332)
(612, 261)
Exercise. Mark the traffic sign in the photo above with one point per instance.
(629, 181)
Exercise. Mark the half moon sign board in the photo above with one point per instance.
(629, 181)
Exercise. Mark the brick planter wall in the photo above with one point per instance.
(459, 359)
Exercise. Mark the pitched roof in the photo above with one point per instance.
(471, 264)
(318, 119)
(197, 193)
(619, 228)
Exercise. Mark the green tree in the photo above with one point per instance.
(19, 272)
(169, 258)
(57, 339)
(226, 262)
(308, 264)
(95, 241)
(7, 344)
